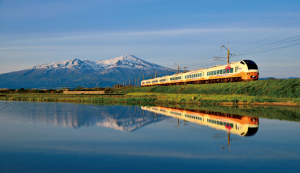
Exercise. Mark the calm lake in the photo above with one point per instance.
(69, 137)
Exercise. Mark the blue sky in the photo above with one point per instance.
(165, 32)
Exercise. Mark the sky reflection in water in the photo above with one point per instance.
(65, 137)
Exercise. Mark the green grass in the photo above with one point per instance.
(283, 88)
(284, 92)
(154, 98)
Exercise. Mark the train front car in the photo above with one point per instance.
(250, 70)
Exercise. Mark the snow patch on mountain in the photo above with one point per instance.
(126, 61)
(72, 64)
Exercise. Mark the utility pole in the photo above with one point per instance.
(228, 54)
(178, 67)
(155, 73)
(135, 82)
(129, 82)
(143, 77)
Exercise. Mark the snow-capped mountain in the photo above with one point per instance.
(71, 64)
(76, 72)
(126, 61)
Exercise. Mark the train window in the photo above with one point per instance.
(175, 78)
(215, 72)
(218, 71)
(207, 74)
(242, 62)
(224, 71)
(218, 122)
(227, 71)
(231, 125)
(231, 70)
(221, 71)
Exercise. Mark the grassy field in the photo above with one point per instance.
(267, 92)
(284, 88)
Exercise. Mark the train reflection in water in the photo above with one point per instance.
(234, 124)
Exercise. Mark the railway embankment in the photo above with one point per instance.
(267, 92)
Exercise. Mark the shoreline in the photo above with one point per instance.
(157, 98)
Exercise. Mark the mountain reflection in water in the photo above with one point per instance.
(123, 118)
(163, 139)
(127, 119)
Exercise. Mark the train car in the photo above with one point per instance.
(245, 70)
(234, 124)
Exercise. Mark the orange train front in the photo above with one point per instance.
(235, 124)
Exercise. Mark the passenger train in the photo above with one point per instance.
(245, 70)
(234, 124)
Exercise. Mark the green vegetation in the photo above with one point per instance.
(267, 92)
(283, 88)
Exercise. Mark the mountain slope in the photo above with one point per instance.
(73, 73)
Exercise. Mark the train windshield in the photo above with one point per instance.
(251, 131)
(251, 64)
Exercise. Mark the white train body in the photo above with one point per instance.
(245, 70)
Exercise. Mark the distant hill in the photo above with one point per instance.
(266, 78)
(75, 72)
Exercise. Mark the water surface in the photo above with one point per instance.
(67, 137)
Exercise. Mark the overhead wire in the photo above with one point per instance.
(265, 39)
(266, 31)
(284, 41)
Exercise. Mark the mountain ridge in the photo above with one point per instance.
(86, 73)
